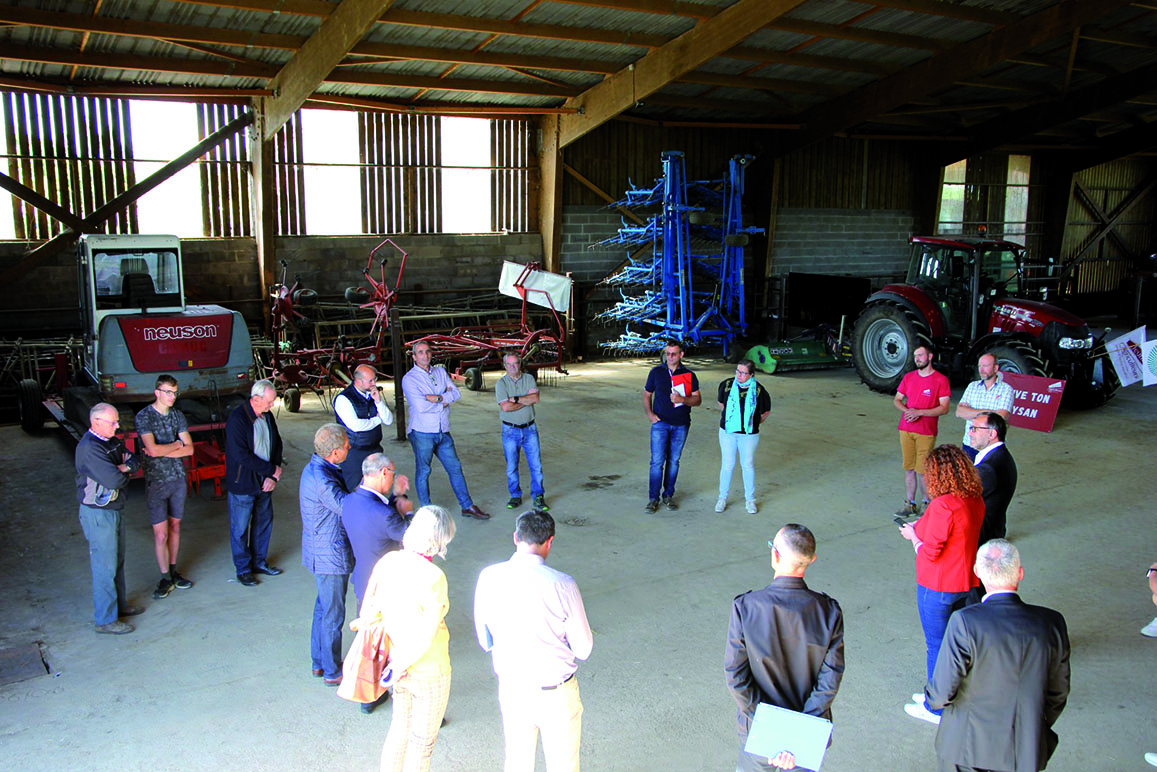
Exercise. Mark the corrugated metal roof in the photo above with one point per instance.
(1117, 47)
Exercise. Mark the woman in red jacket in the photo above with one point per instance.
(945, 542)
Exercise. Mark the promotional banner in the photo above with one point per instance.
(1035, 400)
(1125, 353)
(1149, 361)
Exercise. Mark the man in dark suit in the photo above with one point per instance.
(1002, 677)
(785, 644)
(997, 471)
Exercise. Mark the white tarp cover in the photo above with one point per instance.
(554, 285)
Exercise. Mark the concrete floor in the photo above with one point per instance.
(217, 677)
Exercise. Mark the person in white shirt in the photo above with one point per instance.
(531, 619)
(362, 410)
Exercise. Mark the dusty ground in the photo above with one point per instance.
(217, 677)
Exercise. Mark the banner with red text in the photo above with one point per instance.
(1035, 400)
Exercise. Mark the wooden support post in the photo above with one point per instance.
(399, 371)
(262, 201)
(550, 197)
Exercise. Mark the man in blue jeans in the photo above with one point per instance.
(103, 467)
(517, 394)
(671, 391)
(252, 470)
(325, 547)
(430, 394)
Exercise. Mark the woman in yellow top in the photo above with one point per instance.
(409, 592)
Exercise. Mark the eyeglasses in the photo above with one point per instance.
(975, 428)
(174, 392)
(107, 420)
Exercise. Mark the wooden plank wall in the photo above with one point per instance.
(224, 174)
(289, 178)
(510, 158)
(75, 151)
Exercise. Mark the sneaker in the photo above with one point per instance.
(918, 710)
(721, 504)
(514, 503)
(115, 628)
(908, 510)
(652, 506)
(918, 698)
(669, 503)
(1151, 758)
(1150, 630)
(164, 587)
(540, 504)
(180, 582)
(751, 508)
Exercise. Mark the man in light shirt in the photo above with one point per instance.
(531, 619)
(430, 394)
(362, 410)
(990, 393)
(517, 394)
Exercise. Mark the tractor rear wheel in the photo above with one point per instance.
(1016, 356)
(30, 398)
(292, 400)
(473, 378)
(882, 344)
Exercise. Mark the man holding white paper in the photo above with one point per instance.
(785, 645)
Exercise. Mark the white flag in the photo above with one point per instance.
(1149, 361)
(1125, 353)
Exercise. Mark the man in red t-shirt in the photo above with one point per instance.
(921, 398)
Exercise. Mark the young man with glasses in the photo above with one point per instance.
(165, 441)
(670, 393)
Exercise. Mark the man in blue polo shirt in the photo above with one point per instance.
(671, 391)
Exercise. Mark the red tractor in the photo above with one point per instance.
(969, 296)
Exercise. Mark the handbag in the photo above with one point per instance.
(367, 658)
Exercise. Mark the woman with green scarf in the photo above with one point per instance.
(744, 405)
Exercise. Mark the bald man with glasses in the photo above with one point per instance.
(103, 468)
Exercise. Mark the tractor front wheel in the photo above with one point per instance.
(1019, 357)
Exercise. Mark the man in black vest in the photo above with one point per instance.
(362, 410)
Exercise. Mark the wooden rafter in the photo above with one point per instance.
(309, 67)
(658, 68)
(944, 69)
(696, 11)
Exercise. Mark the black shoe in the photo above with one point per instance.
(669, 503)
(247, 579)
(540, 504)
(164, 587)
(514, 503)
(652, 506)
(268, 570)
(130, 611)
(180, 582)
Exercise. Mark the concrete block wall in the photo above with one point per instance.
(581, 227)
(871, 243)
(225, 271)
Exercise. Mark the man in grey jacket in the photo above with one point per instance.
(103, 467)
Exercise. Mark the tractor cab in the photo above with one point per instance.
(964, 275)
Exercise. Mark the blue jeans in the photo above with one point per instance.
(426, 445)
(250, 526)
(328, 620)
(525, 437)
(105, 531)
(729, 445)
(935, 607)
(667, 442)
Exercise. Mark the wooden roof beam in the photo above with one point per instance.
(1036, 118)
(695, 11)
(944, 69)
(685, 53)
(338, 34)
